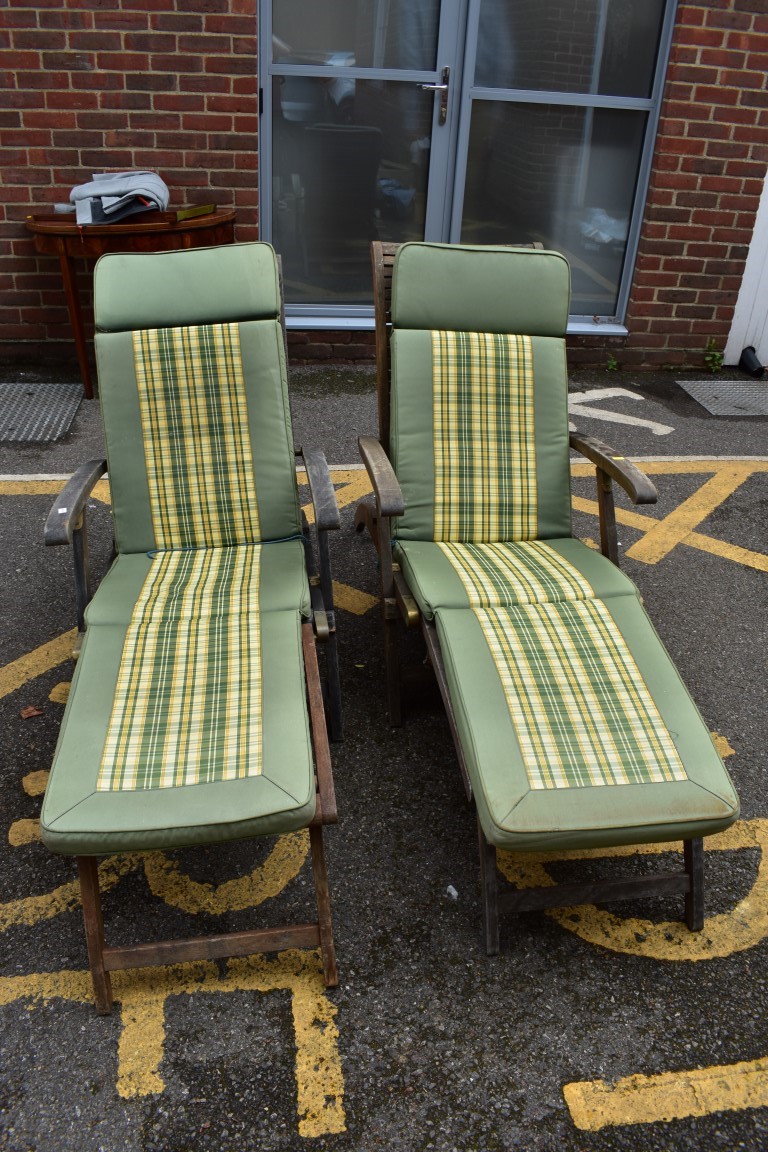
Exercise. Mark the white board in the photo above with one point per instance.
(750, 318)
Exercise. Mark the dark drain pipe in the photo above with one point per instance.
(750, 364)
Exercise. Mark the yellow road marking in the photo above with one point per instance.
(142, 995)
(267, 880)
(742, 556)
(34, 664)
(352, 599)
(59, 694)
(664, 535)
(744, 926)
(22, 487)
(594, 1104)
(354, 484)
(34, 783)
(23, 832)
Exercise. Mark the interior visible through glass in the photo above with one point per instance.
(561, 176)
(350, 164)
(366, 33)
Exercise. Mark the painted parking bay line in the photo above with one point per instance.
(595, 1104)
(726, 474)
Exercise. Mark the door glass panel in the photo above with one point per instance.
(362, 33)
(350, 162)
(564, 176)
(607, 47)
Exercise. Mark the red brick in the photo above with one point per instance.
(743, 79)
(716, 18)
(39, 41)
(176, 22)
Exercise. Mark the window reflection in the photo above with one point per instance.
(350, 165)
(561, 176)
(607, 47)
(375, 33)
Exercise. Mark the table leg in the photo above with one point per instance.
(75, 316)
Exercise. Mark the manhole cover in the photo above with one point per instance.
(34, 412)
(729, 397)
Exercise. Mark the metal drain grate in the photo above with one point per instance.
(36, 412)
(729, 397)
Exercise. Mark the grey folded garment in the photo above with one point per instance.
(112, 196)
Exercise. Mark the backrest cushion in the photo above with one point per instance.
(196, 414)
(479, 433)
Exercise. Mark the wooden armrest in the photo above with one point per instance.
(65, 514)
(389, 497)
(634, 482)
(321, 489)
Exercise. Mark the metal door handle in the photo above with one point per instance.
(442, 88)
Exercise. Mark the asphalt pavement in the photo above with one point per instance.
(594, 1030)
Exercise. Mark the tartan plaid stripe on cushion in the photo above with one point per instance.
(197, 448)
(187, 706)
(485, 456)
(581, 710)
(506, 573)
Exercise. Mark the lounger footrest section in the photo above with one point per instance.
(81, 816)
(576, 729)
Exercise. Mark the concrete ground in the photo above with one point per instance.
(594, 1030)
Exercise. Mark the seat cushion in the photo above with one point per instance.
(82, 815)
(576, 729)
(529, 572)
(282, 583)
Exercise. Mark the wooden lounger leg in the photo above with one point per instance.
(392, 666)
(488, 882)
(330, 970)
(693, 856)
(88, 870)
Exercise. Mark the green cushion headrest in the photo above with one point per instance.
(474, 288)
(187, 287)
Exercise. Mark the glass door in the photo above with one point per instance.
(557, 126)
(486, 121)
(358, 94)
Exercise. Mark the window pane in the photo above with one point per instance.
(366, 33)
(350, 165)
(600, 46)
(559, 175)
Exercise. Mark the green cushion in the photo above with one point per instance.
(269, 432)
(412, 436)
(79, 819)
(283, 585)
(518, 815)
(480, 289)
(194, 286)
(434, 572)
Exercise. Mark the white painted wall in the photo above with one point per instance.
(750, 319)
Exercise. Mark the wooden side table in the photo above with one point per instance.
(60, 235)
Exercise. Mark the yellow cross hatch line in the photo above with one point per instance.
(594, 1104)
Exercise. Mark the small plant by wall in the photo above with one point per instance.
(713, 357)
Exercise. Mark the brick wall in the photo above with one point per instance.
(94, 84)
(89, 85)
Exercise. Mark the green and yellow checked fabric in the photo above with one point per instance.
(498, 575)
(187, 707)
(485, 457)
(581, 710)
(197, 449)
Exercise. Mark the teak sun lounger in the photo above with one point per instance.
(196, 714)
(572, 727)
